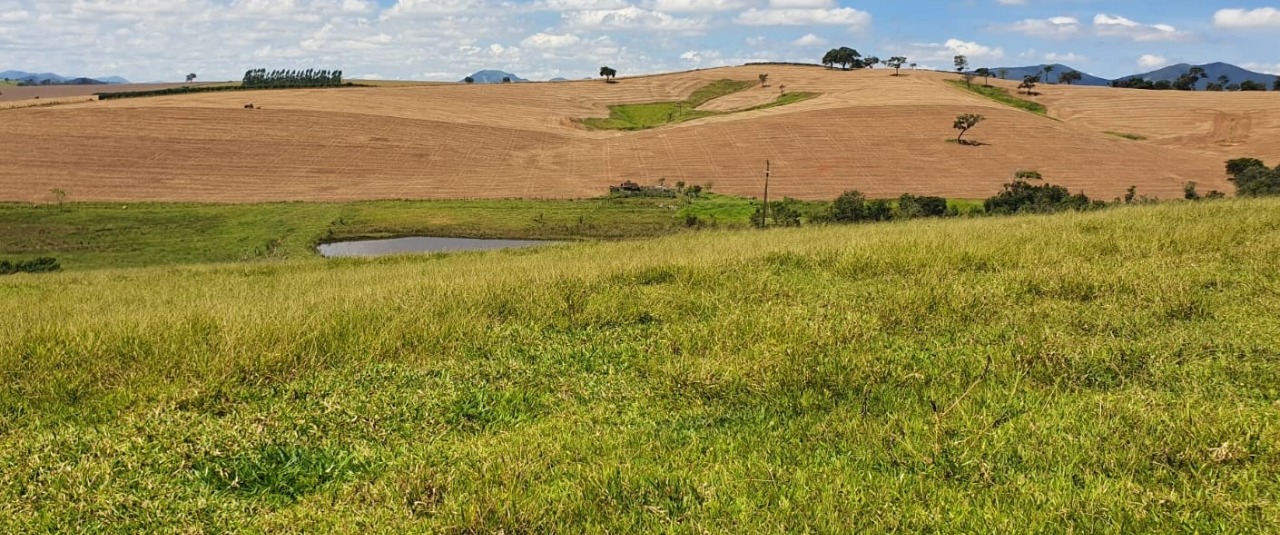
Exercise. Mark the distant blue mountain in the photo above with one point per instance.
(1233, 73)
(1018, 73)
(494, 77)
(40, 77)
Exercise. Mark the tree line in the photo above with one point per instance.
(282, 78)
(1188, 80)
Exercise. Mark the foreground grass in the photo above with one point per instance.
(655, 114)
(1112, 371)
(1002, 96)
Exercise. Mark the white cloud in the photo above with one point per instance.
(1152, 61)
(578, 5)
(1267, 68)
(694, 6)
(809, 40)
(631, 18)
(1117, 26)
(1263, 17)
(940, 55)
(1053, 27)
(845, 16)
(1069, 57)
(550, 41)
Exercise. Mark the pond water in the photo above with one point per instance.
(420, 244)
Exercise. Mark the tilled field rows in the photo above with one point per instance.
(869, 131)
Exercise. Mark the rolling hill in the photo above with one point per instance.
(37, 78)
(867, 130)
(494, 77)
(1212, 71)
(1018, 73)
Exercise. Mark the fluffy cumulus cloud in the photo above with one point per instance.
(802, 16)
(1117, 26)
(1263, 17)
(1053, 27)
(1152, 61)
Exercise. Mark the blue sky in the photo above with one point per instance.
(148, 40)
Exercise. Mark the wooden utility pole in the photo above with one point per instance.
(764, 219)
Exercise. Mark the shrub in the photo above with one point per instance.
(849, 207)
(1020, 196)
(39, 265)
(1253, 178)
(912, 206)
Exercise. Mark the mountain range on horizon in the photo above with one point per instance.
(1213, 71)
(493, 77)
(37, 78)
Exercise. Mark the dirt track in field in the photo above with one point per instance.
(870, 131)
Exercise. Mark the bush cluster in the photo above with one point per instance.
(1021, 196)
(39, 265)
(853, 207)
(1253, 178)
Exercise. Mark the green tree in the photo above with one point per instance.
(1048, 69)
(962, 67)
(1070, 77)
(469, 80)
(1188, 80)
(847, 57)
(966, 122)
(191, 77)
(1029, 84)
(1250, 85)
(1252, 177)
(897, 62)
(985, 73)
(608, 73)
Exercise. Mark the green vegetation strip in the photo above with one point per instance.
(655, 114)
(1108, 371)
(1002, 96)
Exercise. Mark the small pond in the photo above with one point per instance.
(420, 244)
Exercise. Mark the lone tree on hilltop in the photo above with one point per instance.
(964, 123)
(1070, 77)
(191, 77)
(897, 62)
(962, 67)
(985, 73)
(608, 73)
(1029, 84)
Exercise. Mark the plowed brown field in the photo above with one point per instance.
(870, 131)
